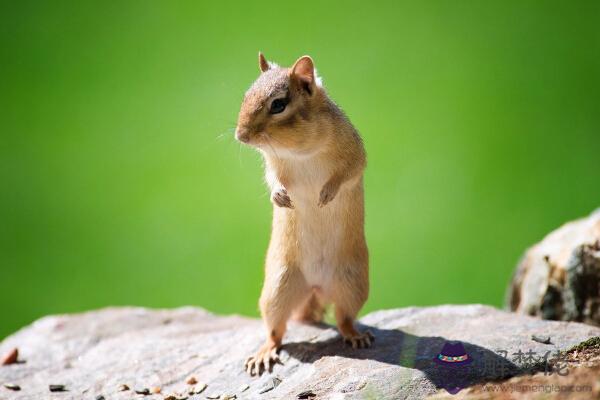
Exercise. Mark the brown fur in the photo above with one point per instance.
(314, 166)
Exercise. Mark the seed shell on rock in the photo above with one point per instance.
(244, 387)
(307, 394)
(12, 386)
(56, 388)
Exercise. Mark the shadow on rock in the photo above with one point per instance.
(399, 348)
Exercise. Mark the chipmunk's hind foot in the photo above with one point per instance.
(263, 361)
(360, 340)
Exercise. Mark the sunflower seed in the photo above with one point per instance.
(123, 388)
(100, 397)
(142, 391)
(244, 387)
(306, 395)
(12, 386)
(201, 388)
(541, 339)
(176, 397)
(271, 384)
(57, 388)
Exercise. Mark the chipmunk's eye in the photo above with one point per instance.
(278, 105)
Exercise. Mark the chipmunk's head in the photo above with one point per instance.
(279, 110)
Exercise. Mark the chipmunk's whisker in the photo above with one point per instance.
(275, 140)
(268, 141)
(227, 133)
(240, 154)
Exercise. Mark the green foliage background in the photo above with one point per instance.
(121, 182)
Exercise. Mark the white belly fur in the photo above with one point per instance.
(318, 229)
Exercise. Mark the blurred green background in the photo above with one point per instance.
(122, 183)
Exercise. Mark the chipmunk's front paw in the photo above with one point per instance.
(360, 340)
(328, 193)
(281, 199)
(263, 360)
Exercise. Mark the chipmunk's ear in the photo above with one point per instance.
(262, 62)
(303, 72)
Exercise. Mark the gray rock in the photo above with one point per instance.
(559, 278)
(95, 352)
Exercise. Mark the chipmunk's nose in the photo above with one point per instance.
(242, 134)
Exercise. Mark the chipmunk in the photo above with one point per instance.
(314, 161)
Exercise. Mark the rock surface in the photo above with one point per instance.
(559, 278)
(95, 352)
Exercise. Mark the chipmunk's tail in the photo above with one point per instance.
(311, 311)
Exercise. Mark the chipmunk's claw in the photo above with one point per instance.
(360, 340)
(263, 361)
(281, 198)
(327, 194)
